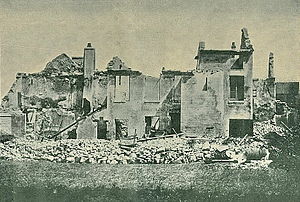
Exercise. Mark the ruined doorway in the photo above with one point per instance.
(151, 124)
(240, 127)
(175, 122)
(101, 129)
(148, 120)
(86, 106)
(121, 128)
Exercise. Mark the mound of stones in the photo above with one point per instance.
(160, 151)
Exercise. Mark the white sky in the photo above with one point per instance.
(146, 35)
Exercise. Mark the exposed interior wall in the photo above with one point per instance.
(169, 107)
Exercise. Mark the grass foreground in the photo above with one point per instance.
(47, 181)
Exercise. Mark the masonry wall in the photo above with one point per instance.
(240, 109)
(148, 96)
(225, 64)
(201, 110)
(35, 88)
(130, 110)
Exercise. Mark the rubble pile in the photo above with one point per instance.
(160, 151)
(155, 151)
(262, 128)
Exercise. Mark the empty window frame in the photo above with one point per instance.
(236, 88)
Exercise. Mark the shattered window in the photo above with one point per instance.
(237, 88)
(122, 89)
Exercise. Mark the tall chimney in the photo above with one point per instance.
(233, 46)
(88, 61)
(271, 66)
(88, 69)
(201, 45)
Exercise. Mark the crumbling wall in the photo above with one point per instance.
(53, 93)
(117, 64)
(61, 80)
(264, 106)
(10, 100)
(62, 65)
(56, 88)
(143, 102)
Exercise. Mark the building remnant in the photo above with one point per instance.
(215, 99)
(5, 122)
(276, 100)
(12, 123)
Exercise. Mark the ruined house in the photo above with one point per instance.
(276, 100)
(214, 99)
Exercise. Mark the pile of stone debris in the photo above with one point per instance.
(165, 151)
(169, 150)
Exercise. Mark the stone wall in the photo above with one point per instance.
(199, 107)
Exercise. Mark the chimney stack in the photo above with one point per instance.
(233, 46)
(201, 45)
(88, 61)
(271, 66)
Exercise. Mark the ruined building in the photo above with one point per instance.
(214, 99)
(276, 100)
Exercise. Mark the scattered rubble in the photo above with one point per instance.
(268, 143)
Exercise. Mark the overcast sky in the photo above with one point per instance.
(146, 35)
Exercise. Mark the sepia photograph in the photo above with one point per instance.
(150, 100)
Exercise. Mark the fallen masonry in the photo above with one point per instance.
(257, 150)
